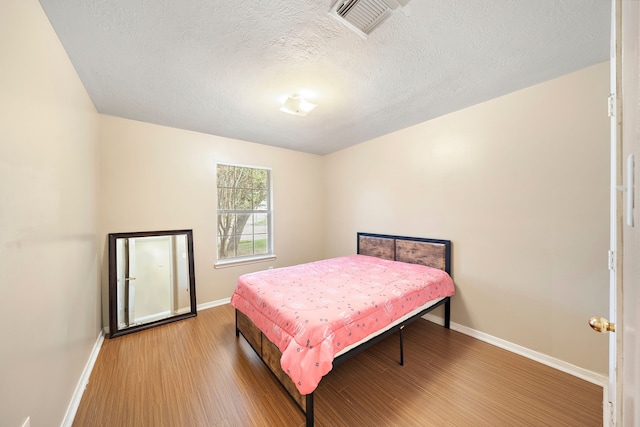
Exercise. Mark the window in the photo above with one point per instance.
(244, 213)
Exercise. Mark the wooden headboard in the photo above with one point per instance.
(414, 250)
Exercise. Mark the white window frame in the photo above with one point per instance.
(270, 255)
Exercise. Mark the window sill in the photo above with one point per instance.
(242, 261)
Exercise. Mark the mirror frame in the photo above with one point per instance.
(113, 282)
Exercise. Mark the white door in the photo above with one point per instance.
(611, 408)
(628, 342)
(624, 384)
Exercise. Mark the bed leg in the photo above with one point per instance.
(401, 347)
(447, 313)
(309, 410)
(237, 330)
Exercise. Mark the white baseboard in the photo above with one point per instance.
(82, 383)
(212, 304)
(585, 374)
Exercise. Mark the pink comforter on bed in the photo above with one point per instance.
(312, 311)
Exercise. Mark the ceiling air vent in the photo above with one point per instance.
(363, 16)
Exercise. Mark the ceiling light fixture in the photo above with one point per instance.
(296, 104)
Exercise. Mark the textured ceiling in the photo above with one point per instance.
(222, 67)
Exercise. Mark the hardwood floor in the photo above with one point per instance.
(195, 372)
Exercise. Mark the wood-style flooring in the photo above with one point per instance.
(195, 372)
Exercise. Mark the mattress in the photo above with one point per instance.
(389, 326)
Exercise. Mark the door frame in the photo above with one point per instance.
(624, 377)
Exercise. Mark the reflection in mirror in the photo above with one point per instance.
(151, 279)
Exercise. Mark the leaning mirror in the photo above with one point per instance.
(151, 279)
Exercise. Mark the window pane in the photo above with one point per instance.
(245, 246)
(260, 179)
(259, 175)
(226, 227)
(259, 199)
(225, 248)
(260, 224)
(225, 198)
(226, 223)
(243, 200)
(243, 226)
(243, 178)
(261, 244)
(225, 175)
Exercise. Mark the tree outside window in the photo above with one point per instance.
(244, 212)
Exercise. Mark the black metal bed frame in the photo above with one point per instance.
(309, 398)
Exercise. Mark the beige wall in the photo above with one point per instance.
(158, 178)
(49, 280)
(520, 185)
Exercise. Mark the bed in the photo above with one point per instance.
(304, 320)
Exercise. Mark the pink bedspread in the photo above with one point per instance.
(312, 311)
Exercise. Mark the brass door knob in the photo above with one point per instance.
(600, 324)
